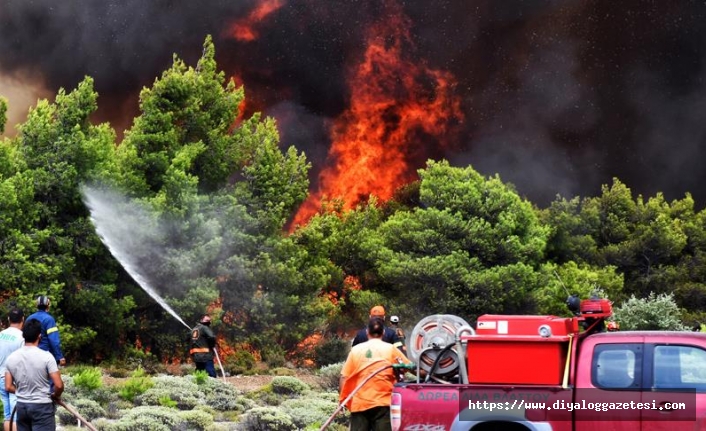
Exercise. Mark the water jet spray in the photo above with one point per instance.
(116, 232)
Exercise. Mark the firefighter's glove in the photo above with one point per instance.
(404, 366)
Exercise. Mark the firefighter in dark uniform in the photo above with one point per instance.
(202, 344)
(395, 325)
(389, 335)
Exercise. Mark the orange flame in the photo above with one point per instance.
(245, 29)
(306, 346)
(395, 102)
(351, 282)
(242, 107)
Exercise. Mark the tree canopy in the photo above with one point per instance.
(199, 199)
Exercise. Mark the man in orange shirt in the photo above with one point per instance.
(370, 406)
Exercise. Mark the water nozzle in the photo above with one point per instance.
(404, 366)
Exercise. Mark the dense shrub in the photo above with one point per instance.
(147, 418)
(239, 362)
(197, 420)
(281, 371)
(173, 391)
(136, 385)
(176, 383)
(89, 409)
(288, 385)
(160, 396)
(206, 385)
(133, 424)
(117, 372)
(243, 404)
(265, 395)
(330, 376)
(167, 401)
(102, 395)
(331, 350)
(328, 396)
(274, 356)
(114, 409)
(309, 411)
(200, 377)
(86, 378)
(266, 419)
(140, 359)
(223, 397)
(652, 313)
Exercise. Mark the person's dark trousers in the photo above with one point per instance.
(375, 419)
(207, 366)
(35, 417)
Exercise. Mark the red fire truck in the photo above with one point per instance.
(548, 373)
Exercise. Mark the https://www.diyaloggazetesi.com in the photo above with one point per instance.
(572, 406)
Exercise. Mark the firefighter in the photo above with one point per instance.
(389, 335)
(394, 324)
(202, 344)
(370, 403)
(50, 341)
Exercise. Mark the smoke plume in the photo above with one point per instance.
(556, 96)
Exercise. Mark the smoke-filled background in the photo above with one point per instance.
(557, 97)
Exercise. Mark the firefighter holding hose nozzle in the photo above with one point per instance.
(203, 343)
(367, 378)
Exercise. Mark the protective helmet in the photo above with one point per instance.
(205, 319)
(394, 319)
(378, 310)
(43, 301)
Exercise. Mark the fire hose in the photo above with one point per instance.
(75, 414)
(360, 385)
(80, 418)
(437, 361)
(220, 364)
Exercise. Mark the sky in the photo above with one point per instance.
(556, 97)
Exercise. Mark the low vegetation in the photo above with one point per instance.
(193, 401)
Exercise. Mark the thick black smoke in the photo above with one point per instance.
(559, 96)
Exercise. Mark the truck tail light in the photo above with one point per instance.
(396, 411)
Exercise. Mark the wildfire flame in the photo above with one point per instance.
(306, 345)
(243, 106)
(245, 29)
(395, 101)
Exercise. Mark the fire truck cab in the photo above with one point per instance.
(521, 373)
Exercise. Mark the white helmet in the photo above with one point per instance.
(394, 319)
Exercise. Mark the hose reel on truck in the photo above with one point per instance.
(435, 344)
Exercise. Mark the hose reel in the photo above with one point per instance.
(429, 339)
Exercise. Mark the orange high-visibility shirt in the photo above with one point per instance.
(363, 360)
